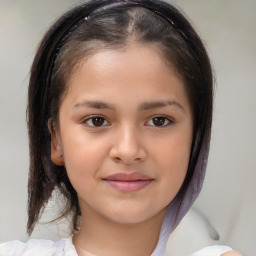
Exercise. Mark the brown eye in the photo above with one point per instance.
(159, 121)
(96, 121)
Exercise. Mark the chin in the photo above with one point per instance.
(133, 215)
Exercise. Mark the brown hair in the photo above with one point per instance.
(87, 29)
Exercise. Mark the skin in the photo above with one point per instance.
(127, 140)
(232, 253)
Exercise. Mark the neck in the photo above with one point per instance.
(103, 237)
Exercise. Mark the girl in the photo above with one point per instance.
(119, 118)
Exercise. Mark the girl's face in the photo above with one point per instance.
(125, 132)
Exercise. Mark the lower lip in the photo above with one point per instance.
(129, 186)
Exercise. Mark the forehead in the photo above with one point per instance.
(138, 71)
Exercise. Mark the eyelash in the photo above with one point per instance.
(90, 119)
(167, 121)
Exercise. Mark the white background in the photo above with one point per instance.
(228, 199)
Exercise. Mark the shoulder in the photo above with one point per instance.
(40, 246)
(216, 250)
(232, 253)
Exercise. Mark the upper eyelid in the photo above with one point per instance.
(164, 116)
(92, 116)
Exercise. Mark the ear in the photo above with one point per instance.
(56, 146)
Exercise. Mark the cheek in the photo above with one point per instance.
(173, 152)
(172, 160)
(82, 156)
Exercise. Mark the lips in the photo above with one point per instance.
(128, 182)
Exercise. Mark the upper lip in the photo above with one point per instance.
(123, 176)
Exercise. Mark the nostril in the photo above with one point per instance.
(127, 153)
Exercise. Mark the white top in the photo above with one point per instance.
(65, 247)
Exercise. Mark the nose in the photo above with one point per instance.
(127, 147)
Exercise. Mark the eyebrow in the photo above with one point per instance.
(143, 106)
(95, 104)
(160, 104)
